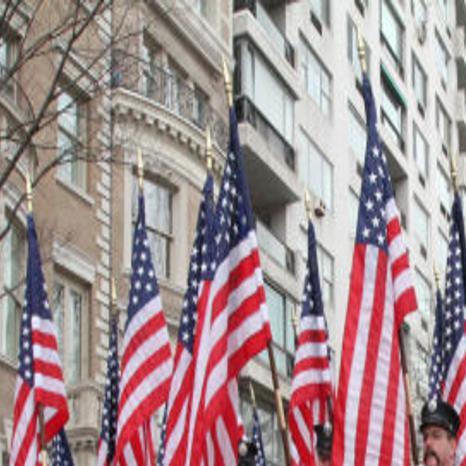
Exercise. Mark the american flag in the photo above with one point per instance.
(312, 383)
(107, 438)
(257, 438)
(454, 339)
(40, 378)
(233, 324)
(163, 435)
(437, 368)
(370, 418)
(146, 364)
(200, 271)
(61, 453)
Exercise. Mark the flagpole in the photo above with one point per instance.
(273, 367)
(43, 443)
(404, 364)
(140, 170)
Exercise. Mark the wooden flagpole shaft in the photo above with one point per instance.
(279, 405)
(43, 445)
(409, 405)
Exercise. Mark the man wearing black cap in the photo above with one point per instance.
(439, 426)
(323, 444)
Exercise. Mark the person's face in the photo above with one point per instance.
(439, 446)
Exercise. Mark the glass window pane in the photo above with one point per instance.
(443, 186)
(391, 30)
(59, 316)
(420, 152)
(74, 355)
(276, 306)
(421, 224)
(357, 134)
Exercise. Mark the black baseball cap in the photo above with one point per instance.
(439, 413)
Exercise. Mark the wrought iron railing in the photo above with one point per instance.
(247, 111)
(169, 90)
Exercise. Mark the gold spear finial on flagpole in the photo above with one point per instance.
(453, 173)
(362, 52)
(140, 169)
(308, 204)
(436, 276)
(28, 193)
(228, 84)
(208, 149)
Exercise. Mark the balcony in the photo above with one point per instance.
(279, 252)
(275, 36)
(459, 50)
(460, 103)
(180, 102)
(270, 160)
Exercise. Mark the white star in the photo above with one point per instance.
(372, 178)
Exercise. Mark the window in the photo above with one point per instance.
(316, 79)
(268, 93)
(70, 305)
(444, 192)
(8, 55)
(444, 126)
(421, 227)
(152, 73)
(421, 154)
(270, 426)
(419, 83)
(353, 212)
(316, 172)
(325, 261)
(357, 134)
(441, 253)
(320, 9)
(158, 223)
(392, 35)
(201, 7)
(13, 253)
(72, 121)
(393, 110)
(419, 11)
(444, 10)
(424, 296)
(281, 308)
(442, 58)
(352, 49)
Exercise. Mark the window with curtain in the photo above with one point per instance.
(421, 226)
(424, 296)
(393, 111)
(321, 10)
(392, 34)
(444, 191)
(419, 82)
(72, 133)
(281, 308)
(421, 153)
(442, 59)
(13, 256)
(357, 134)
(325, 261)
(316, 171)
(70, 313)
(317, 79)
(443, 122)
(158, 202)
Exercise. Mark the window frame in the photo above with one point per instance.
(416, 66)
(423, 170)
(424, 243)
(397, 61)
(323, 16)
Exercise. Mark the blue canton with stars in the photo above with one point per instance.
(61, 453)
(143, 282)
(201, 268)
(312, 294)
(257, 439)
(436, 364)
(454, 286)
(376, 188)
(110, 408)
(35, 303)
(233, 214)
